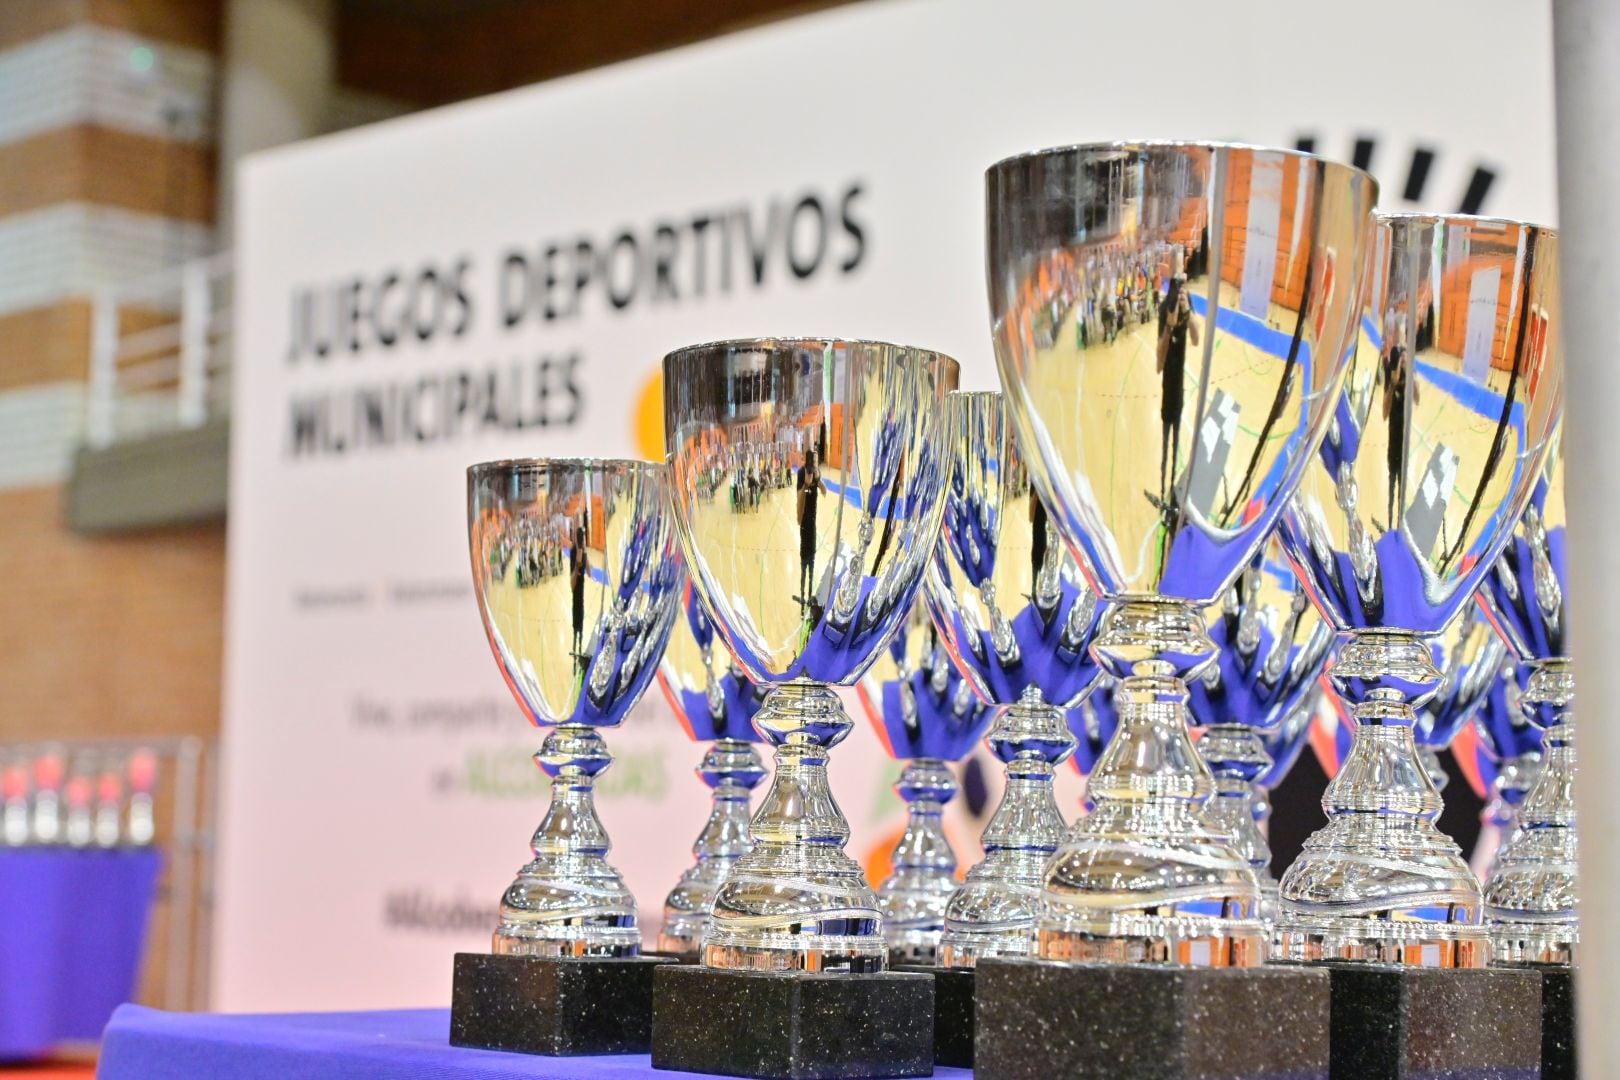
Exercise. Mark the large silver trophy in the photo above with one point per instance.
(806, 479)
(1272, 648)
(1530, 899)
(577, 577)
(1444, 423)
(1019, 618)
(1172, 323)
(928, 716)
(716, 704)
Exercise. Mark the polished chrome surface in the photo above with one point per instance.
(1446, 417)
(716, 704)
(1171, 322)
(1272, 649)
(575, 570)
(806, 479)
(927, 715)
(1470, 656)
(1530, 899)
(1018, 619)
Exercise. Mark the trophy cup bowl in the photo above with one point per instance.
(806, 478)
(1172, 323)
(1272, 647)
(928, 716)
(1018, 619)
(716, 704)
(1446, 417)
(576, 573)
(1530, 898)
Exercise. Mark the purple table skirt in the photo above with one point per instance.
(407, 1044)
(72, 929)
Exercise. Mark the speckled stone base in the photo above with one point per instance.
(1558, 1060)
(551, 1005)
(953, 1014)
(1394, 1022)
(793, 1026)
(1040, 1020)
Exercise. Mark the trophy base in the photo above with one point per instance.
(559, 1006)
(1356, 940)
(1162, 940)
(1039, 1019)
(1558, 1060)
(1396, 1021)
(793, 1025)
(954, 1013)
(671, 955)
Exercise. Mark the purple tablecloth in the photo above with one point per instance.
(146, 1044)
(72, 928)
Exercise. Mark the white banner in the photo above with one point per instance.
(502, 277)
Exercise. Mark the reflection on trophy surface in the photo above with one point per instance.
(1010, 599)
(716, 704)
(1165, 444)
(1469, 658)
(1511, 747)
(1272, 647)
(1444, 422)
(575, 569)
(806, 480)
(927, 715)
(1530, 899)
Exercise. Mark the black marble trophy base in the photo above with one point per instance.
(1039, 1020)
(1396, 1022)
(553, 1005)
(1557, 1022)
(953, 1013)
(793, 1025)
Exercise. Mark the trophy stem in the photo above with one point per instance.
(732, 770)
(1380, 881)
(995, 910)
(1435, 771)
(797, 901)
(1514, 780)
(569, 901)
(1237, 757)
(1143, 878)
(1530, 898)
(914, 898)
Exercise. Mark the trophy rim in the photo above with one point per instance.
(805, 340)
(1076, 149)
(1396, 217)
(547, 464)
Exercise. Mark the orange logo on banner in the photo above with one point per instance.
(647, 418)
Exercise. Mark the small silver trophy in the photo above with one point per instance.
(1019, 619)
(928, 716)
(1171, 336)
(576, 574)
(1530, 899)
(806, 480)
(716, 704)
(1445, 420)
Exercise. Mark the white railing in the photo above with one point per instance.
(160, 352)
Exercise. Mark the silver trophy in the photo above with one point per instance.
(716, 704)
(1443, 425)
(1018, 617)
(576, 573)
(928, 716)
(1172, 322)
(806, 483)
(1272, 648)
(1530, 899)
